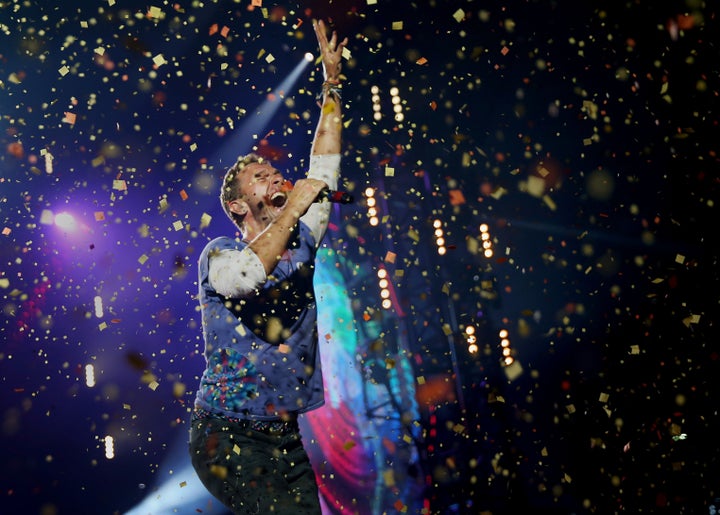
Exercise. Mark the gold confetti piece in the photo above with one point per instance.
(257, 3)
(205, 220)
(397, 25)
(6, 231)
(692, 319)
(120, 185)
(159, 60)
(348, 445)
(372, 2)
(390, 257)
(544, 452)
(100, 50)
(284, 348)
(535, 186)
(422, 61)
(126, 406)
(153, 385)
(389, 171)
(459, 15)
(240, 329)
(458, 428)
(549, 202)
(513, 371)
(4, 282)
(346, 53)
(177, 225)
(102, 326)
(499, 192)
(269, 58)
(680, 259)
(219, 471)
(47, 217)
(142, 259)
(155, 12)
(604, 397)
(178, 389)
(99, 216)
(64, 70)
(570, 408)
(236, 449)
(634, 349)
(421, 380)
(183, 484)
(389, 478)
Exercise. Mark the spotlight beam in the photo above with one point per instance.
(240, 142)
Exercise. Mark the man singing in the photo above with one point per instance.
(259, 323)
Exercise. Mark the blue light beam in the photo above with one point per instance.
(250, 131)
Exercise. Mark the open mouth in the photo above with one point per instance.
(278, 199)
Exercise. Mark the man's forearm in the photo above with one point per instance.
(271, 244)
(327, 138)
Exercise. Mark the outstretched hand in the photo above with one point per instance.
(331, 51)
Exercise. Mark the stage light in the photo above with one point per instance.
(109, 447)
(66, 222)
(371, 202)
(505, 347)
(309, 57)
(97, 301)
(471, 339)
(384, 285)
(486, 241)
(439, 236)
(89, 375)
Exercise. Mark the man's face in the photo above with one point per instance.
(261, 187)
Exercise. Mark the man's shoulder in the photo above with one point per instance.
(222, 243)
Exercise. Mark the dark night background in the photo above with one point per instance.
(583, 133)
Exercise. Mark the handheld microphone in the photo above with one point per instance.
(336, 197)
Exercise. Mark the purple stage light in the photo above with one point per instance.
(66, 222)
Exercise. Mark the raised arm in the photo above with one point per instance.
(327, 138)
(327, 142)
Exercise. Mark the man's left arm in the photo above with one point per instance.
(327, 142)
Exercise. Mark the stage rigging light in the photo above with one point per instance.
(439, 236)
(486, 240)
(471, 339)
(384, 285)
(505, 347)
(371, 202)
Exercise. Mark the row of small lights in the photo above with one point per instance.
(439, 233)
(506, 349)
(394, 98)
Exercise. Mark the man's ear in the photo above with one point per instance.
(238, 207)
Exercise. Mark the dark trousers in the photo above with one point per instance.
(252, 472)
